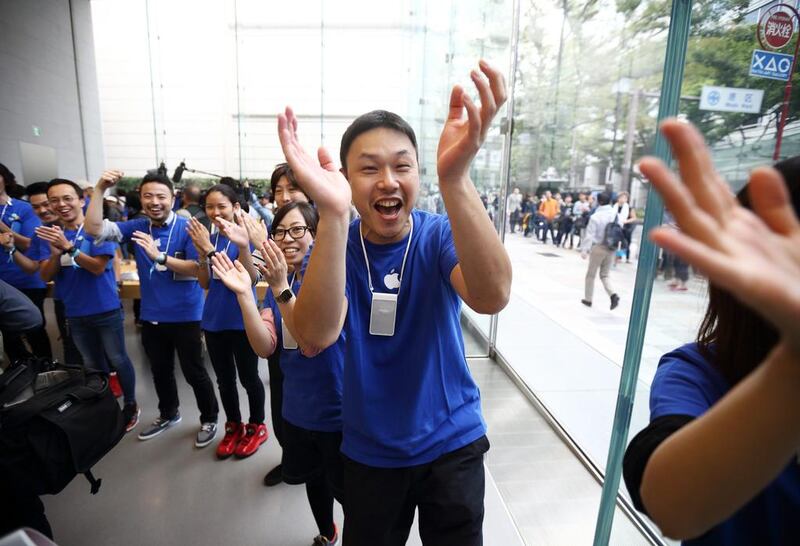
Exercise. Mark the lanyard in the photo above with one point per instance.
(169, 237)
(405, 255)
(77, 234)
(2, 214)
(217, 241)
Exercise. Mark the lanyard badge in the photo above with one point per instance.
(383, 309)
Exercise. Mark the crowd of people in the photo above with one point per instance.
(371, 396)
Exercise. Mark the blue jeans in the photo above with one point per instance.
(101, 335)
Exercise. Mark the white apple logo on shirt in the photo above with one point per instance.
(392, 280)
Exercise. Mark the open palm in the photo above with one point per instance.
(755, 254)
(318, 178)
(232, 274)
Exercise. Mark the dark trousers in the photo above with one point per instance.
(564, 229)
(21, 505)
(547, 226)
(230, 352)
(71, 353)
(276, 393)
(37, 338)
(160, 342)
(380, 502)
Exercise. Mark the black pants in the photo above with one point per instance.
(230, 352)
(564, 229)
(276, 393)
(21, 505)
(37, 338)
(71, 353)
(160, 342)
(380, 502)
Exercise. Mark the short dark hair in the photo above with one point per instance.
(158, 179)
(225, 190)
(376, 119)
(8, 176)
(281, 170)
(36, 188)
(603, 198)
(64, 182)
(230, 182)
(310, 215)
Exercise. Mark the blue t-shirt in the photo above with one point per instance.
(19, 216)
(221, 311)
(408, 399)
(687, 384)
(312, 387)
(165, 299)
(82, 292)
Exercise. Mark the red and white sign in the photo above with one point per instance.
(776, 29)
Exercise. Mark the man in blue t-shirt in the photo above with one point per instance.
(172, 300)
(17, 225)
(413, 434)
(84, 278)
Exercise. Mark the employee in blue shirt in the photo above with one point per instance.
(413, 434)
(85, 278)
(17, 225)
(172, 300)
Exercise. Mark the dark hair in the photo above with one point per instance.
(374, 120)
(63, 181)
(133, 202)
(230, 182)
(603, 198)
(8, 177)
(36, 188)
(732, 336)
(281, 170)
(225, 190)
(192, 193)
(158, 179)
(310, 215)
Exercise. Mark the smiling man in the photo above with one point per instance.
(413, 434)
(172, 300)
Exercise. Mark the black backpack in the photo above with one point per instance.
(56, 421)
(613, 234)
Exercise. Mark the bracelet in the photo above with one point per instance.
(211, 254)
(72, 251)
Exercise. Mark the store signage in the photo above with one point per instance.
(731, 99)
(774, 66)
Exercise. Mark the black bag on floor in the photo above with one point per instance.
(56, 421)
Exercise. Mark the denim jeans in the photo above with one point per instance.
(100, 335)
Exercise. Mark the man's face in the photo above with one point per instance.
(41, 206)
(286, 192)
(547, 195)
(66, 203)
(157, 201)
(384, 178)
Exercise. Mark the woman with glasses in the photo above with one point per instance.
(222, 324)
(312, 380)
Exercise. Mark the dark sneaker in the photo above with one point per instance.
(321, 540)
(158, 426)
(274, 476)
(206, 434)
(587, 303)
(131, 413)
(614, 301)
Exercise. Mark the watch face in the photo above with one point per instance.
(285, 296)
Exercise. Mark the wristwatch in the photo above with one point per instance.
(72, 251)
(161, 259)
(284, 296)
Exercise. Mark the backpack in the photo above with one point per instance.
(56, 421)
(612, 234)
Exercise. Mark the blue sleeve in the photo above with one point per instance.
(447, 254)
(127, 228)
(103, 249)
(28, 222)
(39, 249)
(682, 387)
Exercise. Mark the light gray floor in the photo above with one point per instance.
(167, 492)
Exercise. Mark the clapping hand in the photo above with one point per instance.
(54, 236)
(235, 231)
(146, 242)
(755, 255)
(275, 270)
(255, 231)
(232, 274)
(200, 237)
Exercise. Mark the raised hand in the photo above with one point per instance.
(108, 179)
(232, 274)
(255, 231)
(236, 232)
(54, 236)
(275, 269)
(755, 255)
(462, 137)
(318, 178)
(200, 237)
(146, 242)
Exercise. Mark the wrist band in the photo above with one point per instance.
(211, 254)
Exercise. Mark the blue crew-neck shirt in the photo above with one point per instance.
(312, 387)
(408, 399)
(221, 310)
(687, 384)
(82, 292)
(165, 299)
(20, 217)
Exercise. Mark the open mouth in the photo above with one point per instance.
(291, 252)
(388, 208)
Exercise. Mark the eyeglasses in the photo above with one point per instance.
(295, 232)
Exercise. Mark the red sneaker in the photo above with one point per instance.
(254, 436)
(233, 434)
(113, 384)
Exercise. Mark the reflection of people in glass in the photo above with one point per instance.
(718, 462)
